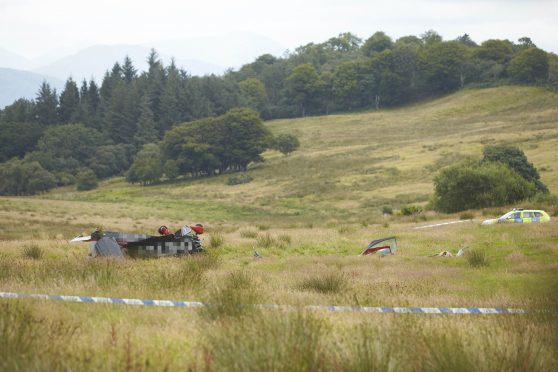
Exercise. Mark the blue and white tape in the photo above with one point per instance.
(361, 309)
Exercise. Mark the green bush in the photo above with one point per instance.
(409, 210)
(329, 283)
(386, 209)
(475, 184)
(86, 180)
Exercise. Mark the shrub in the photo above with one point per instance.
(239, 179)
(386, 209)
(466, 216)
(473, 184)
(86, 180)
(515, 158)
(265, 241)
(409, 210)
(286, 143)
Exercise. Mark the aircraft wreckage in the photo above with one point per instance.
(119, 244)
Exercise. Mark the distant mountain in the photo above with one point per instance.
(95, 60)
(12, 60)
(15, 84)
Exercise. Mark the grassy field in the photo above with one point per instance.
(309, 214)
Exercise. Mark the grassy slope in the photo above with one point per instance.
(309, 214)
(350, 165)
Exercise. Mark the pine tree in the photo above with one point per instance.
(46, 105)
(146, 132)
(128, 70)
(69, 102)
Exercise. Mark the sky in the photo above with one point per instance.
(35, 27)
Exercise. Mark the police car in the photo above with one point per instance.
(520, 215)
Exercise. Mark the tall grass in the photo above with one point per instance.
(32, 251)
(476, 258)
(327, 283)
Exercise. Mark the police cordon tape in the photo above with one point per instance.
(361, 309)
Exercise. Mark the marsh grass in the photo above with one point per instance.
(328, 283)
(248, 234)
(276, 341)
(32, 251)
(216, 239)
(476, 258)
(234, 297)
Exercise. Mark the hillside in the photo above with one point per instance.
(350, 165)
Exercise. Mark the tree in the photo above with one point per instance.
(286, 143)
(304, 85)
(499, 51)
(18, 138)
(466, 40)
(147, 166)
(254, 94)
(68, 111)
(529, 66)
(20, 177)
(46, 105)
(376, 43)
(444, 67)
(476, 184)
(146, 132)
(430, 37)
(86, 180)
(514, 158)
(128, 70)
(66, 147)
(352, 85)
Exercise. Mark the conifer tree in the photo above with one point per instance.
(69, 102)
(46, 105)
(146, 132)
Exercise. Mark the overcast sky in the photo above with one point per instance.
(35, 27)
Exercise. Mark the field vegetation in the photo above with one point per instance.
(309, 214)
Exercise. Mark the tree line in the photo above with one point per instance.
(103, 128)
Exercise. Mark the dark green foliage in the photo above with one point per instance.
(376, 43)
(111, 160)
(304, 87)
(67, 147)
(86, 180)
(254, 94)
(286, 143)
(529, 66)
(147, 166)
(515, 158)
(19, 177)
(46, 105)
(68, 111)
(409, 210)
(386, 209)
(17, 138)
(223, 143)
(475, 184)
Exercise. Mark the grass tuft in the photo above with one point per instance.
(476, 258)
(329, 283)
(216, 240)
(32, 251)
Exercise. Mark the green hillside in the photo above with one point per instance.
(350, 165)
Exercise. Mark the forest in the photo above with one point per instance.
(164, 123)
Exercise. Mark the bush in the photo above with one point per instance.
(386, 209)
(466, 216)
(515, 158)
(239, 179)
(410, 210)
(286, 143)
(86, 180)
(475, 184)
